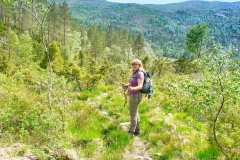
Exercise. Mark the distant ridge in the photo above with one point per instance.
(165, 25)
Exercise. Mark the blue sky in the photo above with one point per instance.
(160, 1)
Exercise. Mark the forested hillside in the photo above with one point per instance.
(61, 96)
(164, 26)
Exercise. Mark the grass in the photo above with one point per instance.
(210, 153)
(170, 132)
(87, 125)
(115, 139)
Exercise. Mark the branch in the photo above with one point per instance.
(45, 44)
(217, 115)
(43, 21)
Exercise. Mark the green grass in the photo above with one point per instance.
(210, 153)
(94, 134)
(115, 139)
(86, 123)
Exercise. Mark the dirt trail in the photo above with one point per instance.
(138, 151)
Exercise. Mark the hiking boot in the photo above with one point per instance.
(137, 130)
(130, 132)
(137, 133)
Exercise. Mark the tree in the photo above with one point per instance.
(109, 36)
(96, 37)
(54, 23)
(25, 46)
(138, 45)
(196, 37)
(65, 20)
(13, 43)
(54, 59)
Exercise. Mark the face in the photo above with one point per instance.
(135, 66)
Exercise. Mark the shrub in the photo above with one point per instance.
(21, 119)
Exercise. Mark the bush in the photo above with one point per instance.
(24, 121)
(186, 66)
(54, 57)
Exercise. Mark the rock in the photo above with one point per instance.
(66, 154)
(23, 158)
(169, 119)
(138, 151)
(104, 113)
(7, 152)
(72, 154)
(125, 126)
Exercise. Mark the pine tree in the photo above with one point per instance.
(65, 20)
(109, 36)
(96, 37)
(139, 44)
(195, 38)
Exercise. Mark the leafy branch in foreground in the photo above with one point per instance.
(220, 66)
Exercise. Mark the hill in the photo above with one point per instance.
(164, 26)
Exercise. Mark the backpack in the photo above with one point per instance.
(147, 84)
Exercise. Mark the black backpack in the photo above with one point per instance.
(147, 84)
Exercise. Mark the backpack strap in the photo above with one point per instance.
(146, 74)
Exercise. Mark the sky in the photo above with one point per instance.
(160, 1)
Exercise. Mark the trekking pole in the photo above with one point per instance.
(124, 89)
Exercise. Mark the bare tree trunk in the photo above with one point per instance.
(1, 12)
(48, 33)
(20, 16)
(49, 83)
(9, 53)
(54, 25)
(45, 42)
(33, 11)
(7, 19)
(62, 110)
(64, 28)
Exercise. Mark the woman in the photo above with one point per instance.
(134, 87)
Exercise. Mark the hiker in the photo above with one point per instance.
(134, 88)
